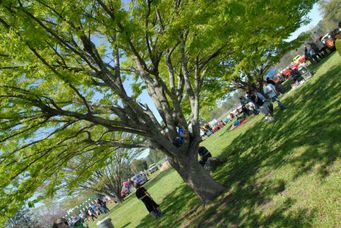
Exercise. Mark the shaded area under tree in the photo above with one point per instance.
(306, 138)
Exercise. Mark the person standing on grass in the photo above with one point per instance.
(91, 214)
(152, 207)
(95, 208)
(260, 102)
(204, 155)
(103, 205)
(270, 91)
(309, 53)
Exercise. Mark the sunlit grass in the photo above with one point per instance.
(285, 173)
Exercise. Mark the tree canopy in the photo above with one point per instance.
(72, 72)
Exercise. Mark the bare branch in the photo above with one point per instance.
(185, 71)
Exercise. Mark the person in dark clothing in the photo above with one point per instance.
(246, 112)
(152, 207)
(268, 80)
(204, 155)
(296, 75)
(278, 86)
(309, 53)
(323, 49)
(262, 104)
(316, 50)
(91, 214)
(255, 99)
(103, 205)
(177, 141)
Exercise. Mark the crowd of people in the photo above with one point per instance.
(314, 51)
(86, 213)
(258, 99)
(94, 210)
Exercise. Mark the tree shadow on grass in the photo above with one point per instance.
(126, 225)
(182, 208)
(314, 67)
(305, 136)
(180, 200)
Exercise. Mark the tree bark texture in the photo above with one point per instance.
(197, 177)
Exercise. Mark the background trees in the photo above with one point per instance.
(108, 179)
(139, 165)
(49, 211)
(332, 15)
(72, 73)
(23, 218)
(154, 156)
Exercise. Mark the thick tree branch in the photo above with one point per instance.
(61, 77)
(205, 61)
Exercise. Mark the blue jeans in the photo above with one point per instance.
(280, 104)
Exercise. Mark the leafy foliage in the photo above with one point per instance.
(154, 156)
(139, 165)
(66, 68)
(332, 14)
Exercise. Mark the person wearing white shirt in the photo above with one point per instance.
(270, 91)
(262, 103)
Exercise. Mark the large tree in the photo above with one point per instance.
(139, 165)
(72, 73)
(154, 156)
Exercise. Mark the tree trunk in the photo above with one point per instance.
(197, 177)
(119, 198)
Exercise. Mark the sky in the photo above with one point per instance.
(315, 15)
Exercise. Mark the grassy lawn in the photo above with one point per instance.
(285, 173)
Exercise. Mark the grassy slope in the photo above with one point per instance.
(285, 173)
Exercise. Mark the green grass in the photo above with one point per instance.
(285, 173)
